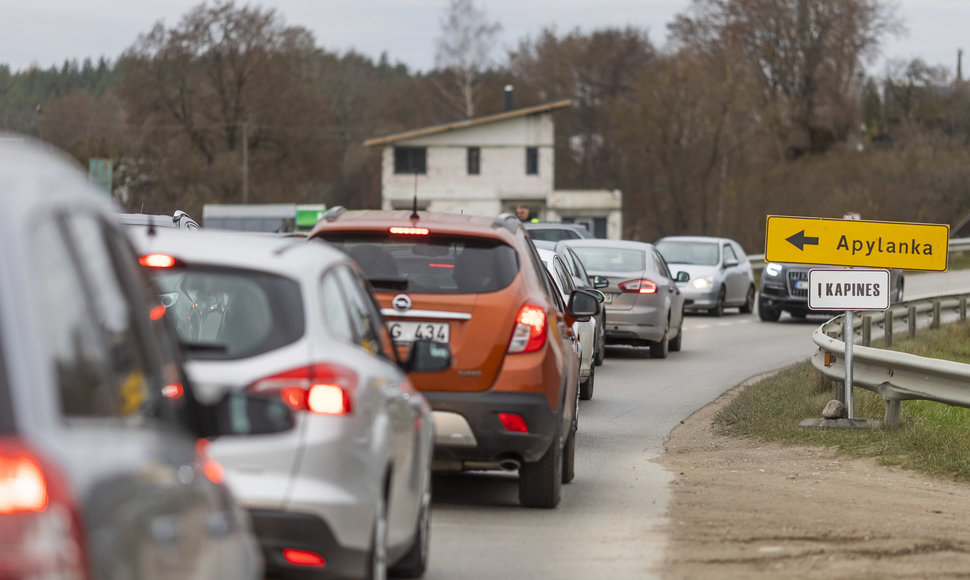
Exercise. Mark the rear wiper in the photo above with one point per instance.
(204, 347)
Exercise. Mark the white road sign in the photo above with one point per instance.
(841, 289)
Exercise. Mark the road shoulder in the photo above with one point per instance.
(743, 508)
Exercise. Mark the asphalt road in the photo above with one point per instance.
(607, 524)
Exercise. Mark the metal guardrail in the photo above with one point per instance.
(897, 376)
(954, 245)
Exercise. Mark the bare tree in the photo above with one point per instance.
(464, 47)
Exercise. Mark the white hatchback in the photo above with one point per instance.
(347, 493)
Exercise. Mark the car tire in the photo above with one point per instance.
(899, 293)
(586, 388)
(660, 348)
(718, 309)
(675, 343)
(748, 306)
(540, 482)
(377, 558)
(414, 563)
(569, 458)
(767, 314)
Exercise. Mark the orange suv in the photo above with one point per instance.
(509, 400)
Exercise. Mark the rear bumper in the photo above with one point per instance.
(632, 326)
(469, 434)
(278, 530)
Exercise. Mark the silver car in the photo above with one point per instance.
(101, 474)
(644, 305)
(348, 492)
(720, 272)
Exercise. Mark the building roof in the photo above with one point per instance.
(466, 123)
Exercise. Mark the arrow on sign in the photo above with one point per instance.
(800, 240)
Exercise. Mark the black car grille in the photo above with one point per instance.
(795, 276)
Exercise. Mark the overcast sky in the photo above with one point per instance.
(46, 32)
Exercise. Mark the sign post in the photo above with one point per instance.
(849, 290)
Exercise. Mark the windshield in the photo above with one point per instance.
(612, 259)
(430, 264)
(699, 253)
(226, 314)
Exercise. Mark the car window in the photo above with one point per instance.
(552, 235)
(729, 253)
(229, 313)
(6, 405)
(661, 264)
(681, 252)
(364, 318)
(565, 280)
(99, 367)
(579, 270)
(605, 259)
(430, 264)
(336, 311)
(555, 294)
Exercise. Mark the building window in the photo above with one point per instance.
(474, 161)
(410, 160)
(532, 161)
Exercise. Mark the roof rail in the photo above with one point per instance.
(334, 213)
(508, 221)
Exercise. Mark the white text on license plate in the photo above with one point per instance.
(411, 331)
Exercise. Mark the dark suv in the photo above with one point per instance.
(509, 400)
(784, 288)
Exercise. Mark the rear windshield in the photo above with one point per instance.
(699, 253)
(432, 264)
(227, 313)
(552, 235)
(612, 259)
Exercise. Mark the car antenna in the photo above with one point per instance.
(151, 222)
(414, 205)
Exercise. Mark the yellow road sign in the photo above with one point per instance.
(868, 244)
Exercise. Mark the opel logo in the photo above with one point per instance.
(401, 303)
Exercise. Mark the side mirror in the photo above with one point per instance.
(428, 357)
(600, 297)
(582, 306)
(599, 281)
(241, 413)
(682, 276)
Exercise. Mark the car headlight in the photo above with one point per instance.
(702, 283)
(772, 269)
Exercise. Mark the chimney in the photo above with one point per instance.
(509, 98)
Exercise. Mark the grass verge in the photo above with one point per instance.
(932, 437)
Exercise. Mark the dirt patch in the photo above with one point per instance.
(747, 509)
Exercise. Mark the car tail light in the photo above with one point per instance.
(408, 231)
(40, 530)
(513, 422)
(530, 329)
(639, 287)
(157, 261)
(325, 389)
(303, 558)
(212, 468)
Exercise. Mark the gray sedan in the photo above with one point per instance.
(644, 305)
(720, 273)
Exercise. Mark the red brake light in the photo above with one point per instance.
(303, 558)
(173, 391)
(639, 287)
(157, 313)
(157, 261)
(513, 422)
(40, 529)
(530, 330)
(212, 469)
(325, 389)
(408, 231)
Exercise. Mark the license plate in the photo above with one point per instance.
(608, 297)
(801, 284)
(411, 331)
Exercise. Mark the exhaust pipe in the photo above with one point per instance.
(509, 464)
